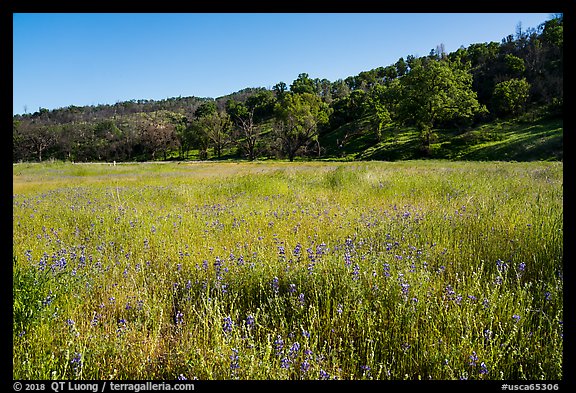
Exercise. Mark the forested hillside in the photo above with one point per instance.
(442, 102)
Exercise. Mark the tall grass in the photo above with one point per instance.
(408, 270)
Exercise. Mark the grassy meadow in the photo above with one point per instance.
(276, 270)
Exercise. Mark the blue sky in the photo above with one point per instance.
(90, 59)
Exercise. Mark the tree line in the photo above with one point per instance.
(442, 90)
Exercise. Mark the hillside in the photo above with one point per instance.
(501, 140)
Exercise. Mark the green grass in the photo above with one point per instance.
(365, 270)
(506, 140)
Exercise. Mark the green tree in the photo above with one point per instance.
(510, 96)
(434, 91)
(216, 128)
(298, 117)
(303, 84)
(205, 109)
(381, 102)
(280, 90)
(515, 65)
(262, 103)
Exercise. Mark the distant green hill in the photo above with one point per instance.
(502, 140)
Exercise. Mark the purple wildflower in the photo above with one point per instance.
(76, 361)
(347, 259)
(227, 325)
(522, 266)
(501, 265)
(234, 360)
(285, 362)
(275, 285)
(386, 270)
(293, 351)
(297, 250)
(473, 359)
(250, 321)
(278, 345)
(179, 318)
(404, 288)
(301, 299)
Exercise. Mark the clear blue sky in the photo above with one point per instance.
(90, 59)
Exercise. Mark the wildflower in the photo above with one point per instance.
(305, 333)
(179, 318)
(347, 259)
(404, 288)
(339, 308)
(487, 334)
(501, 265)
(311, 268)
(473, 358)
(250, 321)
(234, 360)
(76, 362)
(95, 319)
(227, 325)
(321, 249)
(355, 272)
(48, 300)
(292, 288)
(305, 366)
(301, 299)
(516, 317)
(324, 374)
(285, 362)
(386, 270)
(522, 266)
(458, 299)
(297, 250)
(181, 377)
(278, 345)
(217, 267)
(366, 370)
(483, 368)
(275, 285)
(547, 296)
(293, 351)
